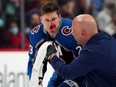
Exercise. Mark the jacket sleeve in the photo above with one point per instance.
(78, 67)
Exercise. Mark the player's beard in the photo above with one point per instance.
(52, 30)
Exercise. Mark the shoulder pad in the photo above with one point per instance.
(66, 30)
(35, 29)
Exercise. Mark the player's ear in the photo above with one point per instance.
(59, 15)
(83, 32)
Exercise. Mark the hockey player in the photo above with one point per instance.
(53, 28)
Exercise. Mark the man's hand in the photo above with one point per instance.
(51, 51)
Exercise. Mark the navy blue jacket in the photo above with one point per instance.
(97, 62)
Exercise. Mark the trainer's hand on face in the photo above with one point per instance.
(51, 52)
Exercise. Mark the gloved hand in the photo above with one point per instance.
(51, 51)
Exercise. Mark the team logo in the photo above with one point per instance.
(66, 30)
(35, 29)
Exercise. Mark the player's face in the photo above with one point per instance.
(51, 22)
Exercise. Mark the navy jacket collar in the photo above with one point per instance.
(98, 37)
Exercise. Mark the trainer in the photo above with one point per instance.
(97, 59)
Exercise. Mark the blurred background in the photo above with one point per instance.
(18, 17)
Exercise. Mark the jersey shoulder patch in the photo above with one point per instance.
(35, 29)
(66, 30)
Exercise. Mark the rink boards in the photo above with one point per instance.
(13, 67)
